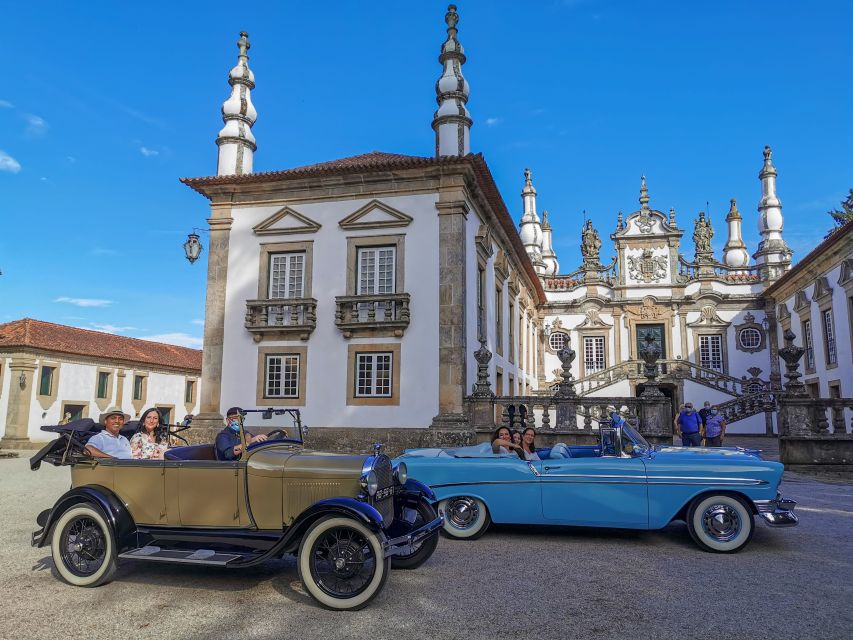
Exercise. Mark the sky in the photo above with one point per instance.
(106, 105)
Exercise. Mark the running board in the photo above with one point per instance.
(199, 556)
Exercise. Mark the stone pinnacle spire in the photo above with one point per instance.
(773, 256)
(549, 257)
(452, 122)
(735, 253)
(235, 141)
(530, 229)
(644, 194)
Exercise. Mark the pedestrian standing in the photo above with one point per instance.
(689, 426)
(715, 429)
(705, 412)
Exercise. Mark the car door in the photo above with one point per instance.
(605, 491)
(209, 493)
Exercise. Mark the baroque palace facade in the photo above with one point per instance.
(359, 289)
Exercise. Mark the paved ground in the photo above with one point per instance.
(515, 582)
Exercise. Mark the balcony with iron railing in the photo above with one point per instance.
(379, 315)
(281, 318)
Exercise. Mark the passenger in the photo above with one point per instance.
(516, 437)
(528, 444)
(228, 445)
(151, 438)
(109, 443)
(502, 442)
(714, 430)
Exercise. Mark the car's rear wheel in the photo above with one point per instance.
(425, 514)
(341, 563)
(721, 523)
(83, 547)
(465, 518)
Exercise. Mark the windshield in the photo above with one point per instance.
(273, 424)
(638, 444)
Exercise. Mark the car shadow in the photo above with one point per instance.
(674, 533)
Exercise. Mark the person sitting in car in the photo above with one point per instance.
(528, 444)
(228, 444)
(502, 442)
(109, 443)
(151, 438)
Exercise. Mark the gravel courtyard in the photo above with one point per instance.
(515, 582)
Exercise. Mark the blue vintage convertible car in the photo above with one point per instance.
(621, 482)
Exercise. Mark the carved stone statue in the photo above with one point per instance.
(702, 234)
(590, 244)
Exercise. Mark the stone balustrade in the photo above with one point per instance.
(372, 315)
(281, 318)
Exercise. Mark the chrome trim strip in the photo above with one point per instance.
(534, 469)
(551, 478)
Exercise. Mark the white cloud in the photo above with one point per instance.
(8, 163)
(36, 125)
(5, 104)
(84, 302)
(148, 152)
(199, 322)
(71, 159)
(178, 338)
(109, 328)
(491, 122)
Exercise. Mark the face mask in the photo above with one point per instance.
(234, 425)
(713, 412)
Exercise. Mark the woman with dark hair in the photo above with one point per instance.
(502, 442)
(528, 444)
(516, 437)
(151, 438)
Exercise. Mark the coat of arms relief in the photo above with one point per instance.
(647, 267)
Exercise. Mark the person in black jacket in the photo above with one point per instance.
(228, 444)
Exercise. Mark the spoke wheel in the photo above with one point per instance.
(721, 523)
(341, 563)
(83, 547)
(464, 517)
(424, 514)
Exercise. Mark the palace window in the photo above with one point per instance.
(189, 392)
(829, 338)
(499, 329)
(373, 375)
(137, 387)
(282, 375)
(711, 352)
(46, 381)
(809, 344)
(481, 302)
(750, 338)
(594, 354)
(287, 275)
(103, 384)
(511, 331)
(375, 271)
(557, 340)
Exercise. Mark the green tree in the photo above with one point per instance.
(845, 214)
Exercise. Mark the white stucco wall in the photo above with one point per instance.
(326, 360)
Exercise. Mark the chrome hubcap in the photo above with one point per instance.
(721, 522)
(463, 512)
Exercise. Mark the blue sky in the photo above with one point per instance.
(106, 105)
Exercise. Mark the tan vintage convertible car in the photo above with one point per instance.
(347, 518)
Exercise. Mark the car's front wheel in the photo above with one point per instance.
(341, 563)
(721, 523)
(425, 514)
(465, 518)
(83, 547)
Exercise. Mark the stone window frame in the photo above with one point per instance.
(396, 366)
(267, 249)
(173, 416)
(499, 317)
(261, 399)
(564, 332)
(807, 339)
(824, 314)
(510, 356)
(194, 396)
(712, 331)
(750, 323)
(83, 403)
(103, 403)
(592, 333)
(511, 387)
(138, 404)
(47, 400)
(354, 243)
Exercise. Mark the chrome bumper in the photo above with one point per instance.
(404, 545)
(778, 512)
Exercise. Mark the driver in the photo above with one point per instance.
(228, 445)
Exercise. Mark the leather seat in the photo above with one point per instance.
(192, 452)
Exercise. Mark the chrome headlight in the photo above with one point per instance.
(401, 472)
(370, 483)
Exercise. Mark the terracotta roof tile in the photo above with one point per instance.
(59, 338)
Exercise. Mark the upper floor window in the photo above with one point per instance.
(376, 268)
(749, 337)
(809, 344)
(593, 353)
(557, 340)
(137, 387)
(711, 352)
(829, 338)
(287, 275)
(46, 381)
(189, 392)
(103, 384)
(481, 302)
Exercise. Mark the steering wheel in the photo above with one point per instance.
(281, 433)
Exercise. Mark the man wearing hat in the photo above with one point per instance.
(228, 444)
(109, 443)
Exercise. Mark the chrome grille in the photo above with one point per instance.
(385, 476)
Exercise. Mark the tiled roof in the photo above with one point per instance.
(60, 338)
(380, 161)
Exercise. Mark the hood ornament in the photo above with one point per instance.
(377, 448)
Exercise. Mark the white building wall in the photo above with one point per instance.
(5, 382)
(326, 373)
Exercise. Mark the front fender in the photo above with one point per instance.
(415, 489)
(113, 510)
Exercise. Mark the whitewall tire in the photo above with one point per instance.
(465, 518)
(341, 563)
(83, 547)
(721, 523)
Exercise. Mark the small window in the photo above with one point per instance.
(189, 392)
(481, 303)
(750, 338)
(46, 381)
(809, 343)
(373, 375)
(829, 338)
(593, 354)
(711, 352)
(557, 340)
(137, 387)
(287, 275)
(282, 376)
(103, 384)
(165, 414)
(499, 330)
(376, 271)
